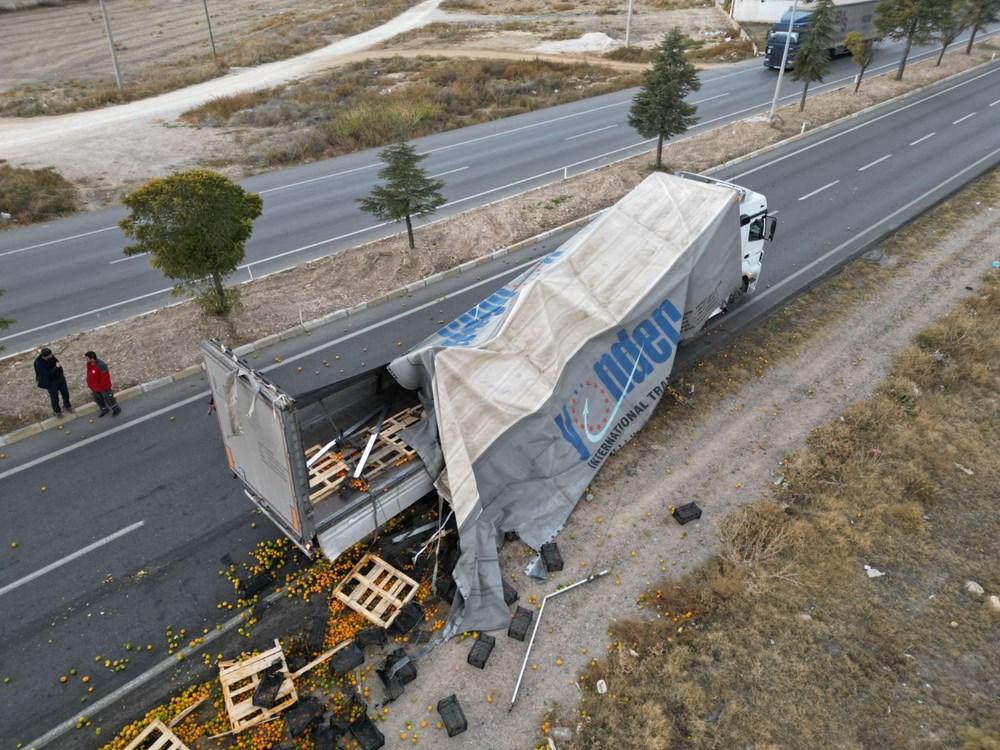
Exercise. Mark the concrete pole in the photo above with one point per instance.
(628, 23)
(111, 44)
(784, 58)
(209, 22)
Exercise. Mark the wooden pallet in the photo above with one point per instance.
(333, 470)
(239, 682)
(159, 737)
(376, 590)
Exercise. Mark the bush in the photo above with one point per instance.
(31, 195)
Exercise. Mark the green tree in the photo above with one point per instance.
(863, 53)
(194, 225)
(408, 190)
(659, 109)
(953, 24)
(812, 61)
(984, 12)
(914, 21)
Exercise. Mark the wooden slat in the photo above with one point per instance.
(243, 714)
(166, 741)
(376, 590)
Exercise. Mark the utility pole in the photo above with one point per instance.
(209, 22)
(111, 44)
(628, 22)
(784, 58)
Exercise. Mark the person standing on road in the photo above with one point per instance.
(99, 383)
(49, 375)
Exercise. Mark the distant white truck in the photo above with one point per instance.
(509, 410)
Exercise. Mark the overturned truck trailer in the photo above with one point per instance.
(513, 408)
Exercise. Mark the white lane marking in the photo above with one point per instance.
(710, 98)
(873, 163)
(450, 171)
(85, 314)
(757, 298)
(590, 132)
(842, 133)
(819, 190)
(70, 558)
(133, 421)
(319, 179)
(995, 103)
(53, 242)
(127, 257)
(919, 140)
(963, 119)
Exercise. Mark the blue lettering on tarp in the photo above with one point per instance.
(629, 360)
(463, 330)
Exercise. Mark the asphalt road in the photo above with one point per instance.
(51, 272)
(121, 525)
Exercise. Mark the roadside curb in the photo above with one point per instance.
(305, 328)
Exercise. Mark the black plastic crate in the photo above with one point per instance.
(481, 650)
(347, 659)
(254, 585)
(551, 557)
(366, 733)
(452, 716)
(407, 673)
(688, 512)
(303, 715)
(323, 737)
(446, 588)
(407, 619)
(372, 636)
(520, 623)
(267, 689)
(316, 633)
(509, 593)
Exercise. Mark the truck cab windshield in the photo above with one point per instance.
(780, 36)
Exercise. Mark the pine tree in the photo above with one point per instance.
(863, 53)
(812, 61)
(914, 21)
(659, 109)
(408, 190)
(984, 13)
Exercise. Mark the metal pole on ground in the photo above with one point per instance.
(628, 23)
(784, 58)
(211, 38)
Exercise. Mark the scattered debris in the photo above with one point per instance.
(974, 588)
(349, 658)
(302, 716)
(961, 468)
(602, 687)
(873, 572)
(995, 602)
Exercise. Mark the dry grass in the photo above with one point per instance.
(31, 195)
(369, 104)
(788, 643)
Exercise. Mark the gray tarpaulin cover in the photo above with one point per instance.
(532, 389)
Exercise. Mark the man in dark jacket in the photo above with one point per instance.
(99, 383)
(49, 375)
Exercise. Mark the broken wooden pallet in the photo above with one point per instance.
(329, 473)
(156, 736)
(239, 682)
(376, 590)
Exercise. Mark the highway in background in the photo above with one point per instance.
(121, 526)
(69, 276)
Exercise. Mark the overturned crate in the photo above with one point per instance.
(240, 681)
(376, 590)
(156, 736)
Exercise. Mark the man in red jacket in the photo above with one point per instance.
(99, 383)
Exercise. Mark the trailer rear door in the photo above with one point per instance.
(257, 423)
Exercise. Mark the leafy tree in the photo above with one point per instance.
(659, 109)
(194, 226)
(408, 190)
(863, 53)
(984, 12)
(957, 21)
(812, 61)
(912, 20)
